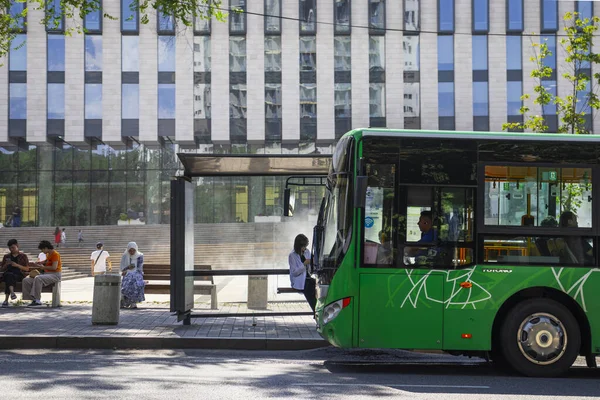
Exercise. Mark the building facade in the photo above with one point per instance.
(90, 123)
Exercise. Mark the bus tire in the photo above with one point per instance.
(540, 337)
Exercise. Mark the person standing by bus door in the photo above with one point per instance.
(299, 259)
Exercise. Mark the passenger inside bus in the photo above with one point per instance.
(577, 249)
(425, 224)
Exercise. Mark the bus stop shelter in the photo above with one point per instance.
(182, 208)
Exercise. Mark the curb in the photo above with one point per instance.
(102, 342)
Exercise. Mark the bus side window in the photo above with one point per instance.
(379, 212)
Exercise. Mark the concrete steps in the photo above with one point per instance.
(224, 246)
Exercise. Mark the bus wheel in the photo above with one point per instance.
(540, 337)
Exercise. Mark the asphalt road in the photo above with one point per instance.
(314, 374)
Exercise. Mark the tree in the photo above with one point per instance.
(13, 14)
(583, 87)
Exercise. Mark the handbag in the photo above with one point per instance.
(33, 273)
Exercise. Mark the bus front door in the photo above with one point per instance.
(401, 309)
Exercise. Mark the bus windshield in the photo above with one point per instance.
(333, 230)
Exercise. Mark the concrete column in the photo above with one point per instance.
(111, 74)
(360, 66)
(74, 86)
(463, 67)
(429, 69)
(325, 74)
(184, 87)
(4, 101)
(394, 73)
(532, 24)
(36, 76)
(290, 66)
(148, 78)
(220, 82)
(255, 75)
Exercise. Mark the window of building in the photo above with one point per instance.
(55, 19)
(480, 100)
(410, 47)
(237, 54)
(376, 100)
(446, 99)
(308, 16)
(308, 53)
(130, 55)
(273, 101)
(585, 8)
(529, 196)
(342, 53)
(93, 101)
(446, 16)
(93, 53)
(237, 16)
(202, 101)
(377, 53)
(92, 21)
(480, 16)
(17, 59)
(272, 17)
(308, 100)
(238, 105)
(18, 100)
(56, 52)
(17, 12)
(377, 16)
(412, 18)
(201, 22)
(343, 100)
(549, 15)
(129, 16)
(166, 23)
(166, 101)
(130, 102)
(514, 15)
(272, 53)
(549, 110)
(202, 54)
(445, 53)
(514, 91)
(341, 15)
(514, 77)
(166, 54)
(56, 101)
(514, 53)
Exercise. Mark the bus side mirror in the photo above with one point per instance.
(360, 193)
(286, 202)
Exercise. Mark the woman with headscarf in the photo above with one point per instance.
(132, 269)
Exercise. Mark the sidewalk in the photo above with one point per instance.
(153, 326)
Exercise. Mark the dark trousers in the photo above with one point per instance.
(11, 278)
(310, 292)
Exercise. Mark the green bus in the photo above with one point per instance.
(507, 269)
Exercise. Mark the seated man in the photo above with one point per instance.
(32, 287)
(13, 264)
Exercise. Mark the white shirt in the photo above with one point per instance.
(41, 257)
(298, 269)
(100, 265)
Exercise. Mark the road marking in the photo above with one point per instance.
(394, 385)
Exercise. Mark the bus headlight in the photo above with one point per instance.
(332, 310)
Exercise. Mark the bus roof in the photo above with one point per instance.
(517, 136)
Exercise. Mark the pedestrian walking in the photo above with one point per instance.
(57, 236)
(79, 238)
(99, 259)
(63, 237)
(132, 270)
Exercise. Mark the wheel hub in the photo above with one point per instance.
(542, 338)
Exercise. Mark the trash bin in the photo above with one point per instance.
(258, 291)
(107, 299)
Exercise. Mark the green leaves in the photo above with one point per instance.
(576, 69)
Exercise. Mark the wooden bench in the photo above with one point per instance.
(53, 288)
(162, 272)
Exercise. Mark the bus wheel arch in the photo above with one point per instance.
(542, 293)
